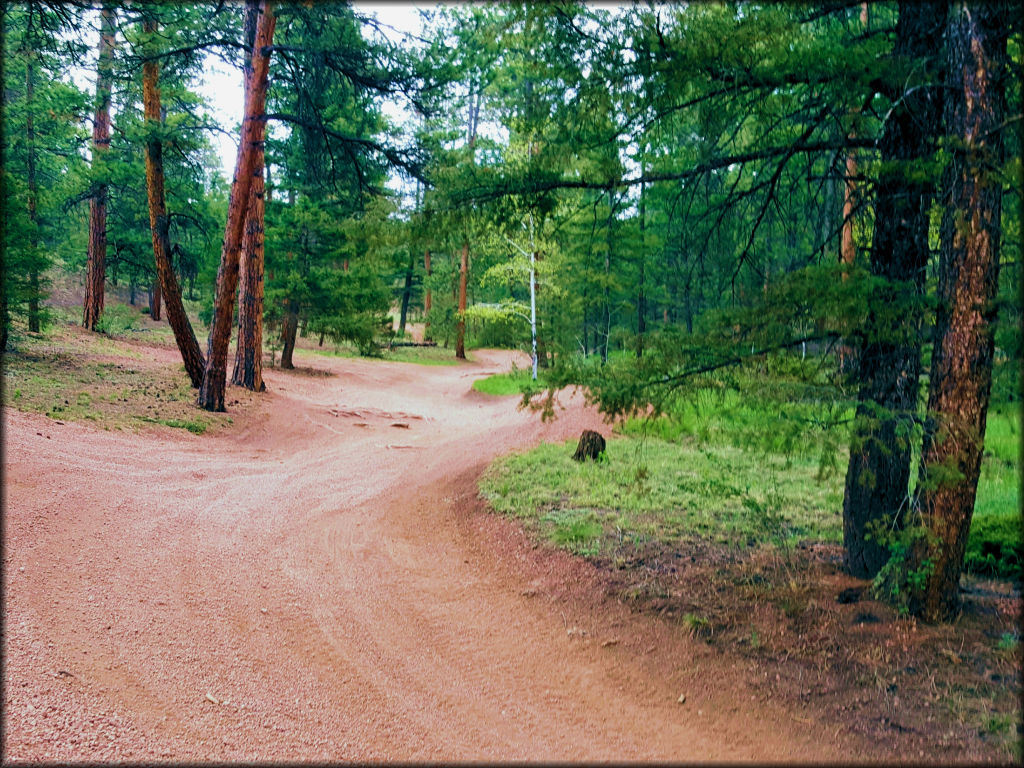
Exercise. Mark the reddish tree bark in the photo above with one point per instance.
(460, 334)
(96, 267)
(248, 370)
(211, 392)
(159, 224)
(847, 249)
(961, 374)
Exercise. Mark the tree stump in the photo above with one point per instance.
(591, 446)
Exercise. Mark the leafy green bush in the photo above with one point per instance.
(500, 332)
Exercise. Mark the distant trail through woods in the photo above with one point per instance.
(319, 584)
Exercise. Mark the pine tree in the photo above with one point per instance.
(961, 372)
(211, 391)
(96, 269)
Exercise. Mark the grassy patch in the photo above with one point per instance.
(732, 471)
(417, 355)
(69, 374)
(423, 355)
(118, 319)
(515, 382)
(194, 426)
(664, 491)
(996, 543)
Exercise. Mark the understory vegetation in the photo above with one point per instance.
(515, 382)
(738, 471)
(723, 516)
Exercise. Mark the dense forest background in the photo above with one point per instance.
(815, 206)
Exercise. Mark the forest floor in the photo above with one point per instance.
(313, 576)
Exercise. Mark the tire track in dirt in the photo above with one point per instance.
(300, 588)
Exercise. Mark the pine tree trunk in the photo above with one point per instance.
(542, 348)
(890, 359)
(460, 338)
(641, 300)
(426, 296)
(96, 267)
(248, 370)
(33, 196)
(606, 305)
(847, 247)
(406, 294)
(288, 329)
(154, 306)
(961, 373)
(167, 282)
(211, 392)
(5, 320)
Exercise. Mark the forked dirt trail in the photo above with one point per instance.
(320, 584)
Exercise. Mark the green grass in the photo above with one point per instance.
(726, 469)
(423, 355)
(515, 382)
(118, 319)
(417, 355)
(996, 542)
(664, 491)
(194, 426)
(70, 375)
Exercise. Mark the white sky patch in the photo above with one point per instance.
(223, 89)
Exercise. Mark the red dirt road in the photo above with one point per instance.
(317, 584)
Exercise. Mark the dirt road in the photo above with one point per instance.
(321, 584)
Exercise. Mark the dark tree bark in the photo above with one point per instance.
(961, 373)
(211, 392)
(606, 304)
(288, 329)
(167, 282)
(460, 335)
(426, 295)
(154, 306)
(890, 358)
(406, 293)
(542, 348)
(33, 193)
(248, 370)
(641, 299)
(96, 267)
